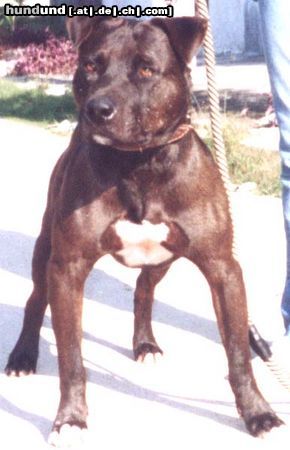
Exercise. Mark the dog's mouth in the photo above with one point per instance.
(103, 128)
(101, 131)
(143, 143)
(135, 145)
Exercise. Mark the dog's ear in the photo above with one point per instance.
(79, 28)
(185, 34)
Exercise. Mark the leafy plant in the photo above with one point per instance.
(8, 23)
(23, 36)
(54, 56)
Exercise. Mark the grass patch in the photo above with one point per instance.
(248, 164)
(34, 104)
(251, 164)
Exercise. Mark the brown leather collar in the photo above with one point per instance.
(180, 132)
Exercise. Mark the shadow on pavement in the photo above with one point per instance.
(15, 257)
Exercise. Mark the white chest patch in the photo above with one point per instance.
(101, 139)
(142, 243)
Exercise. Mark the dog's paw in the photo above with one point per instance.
(147, 352)
(21, 364)
(263, 423)
(68, 436)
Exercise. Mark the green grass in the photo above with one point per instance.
(251, 164)
(33, 104)
(248, 164)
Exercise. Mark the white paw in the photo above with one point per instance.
(68, 437)
(150, 359)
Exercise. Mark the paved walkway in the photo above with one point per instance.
(182, 402)
(243, 77)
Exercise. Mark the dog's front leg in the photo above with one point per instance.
(144, 342)
(226, 282)
(66, 279)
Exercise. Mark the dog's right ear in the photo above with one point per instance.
(185, 34)
(79, 29)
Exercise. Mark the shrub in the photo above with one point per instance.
(53, 56)
(22, 36)
(22, 30)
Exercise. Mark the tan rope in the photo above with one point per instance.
(220, 154)
(215, 114)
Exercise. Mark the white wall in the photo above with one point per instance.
(235, 26)
(228, 25)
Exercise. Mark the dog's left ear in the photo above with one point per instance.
(185, 34)
(79, 28)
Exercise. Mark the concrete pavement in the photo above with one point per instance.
(182, 402)
(244, 76)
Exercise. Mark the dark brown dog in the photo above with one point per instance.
(138, 183)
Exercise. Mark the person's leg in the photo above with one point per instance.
(275, 24)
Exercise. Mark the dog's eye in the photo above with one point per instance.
(96, 65)
(90, 67)
(145, 72)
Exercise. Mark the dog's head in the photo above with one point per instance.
(132, 81)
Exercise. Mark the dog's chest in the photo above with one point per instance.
(136, 245)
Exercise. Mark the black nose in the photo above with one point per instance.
(100, 108)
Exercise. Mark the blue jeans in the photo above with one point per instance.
(275, 23)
